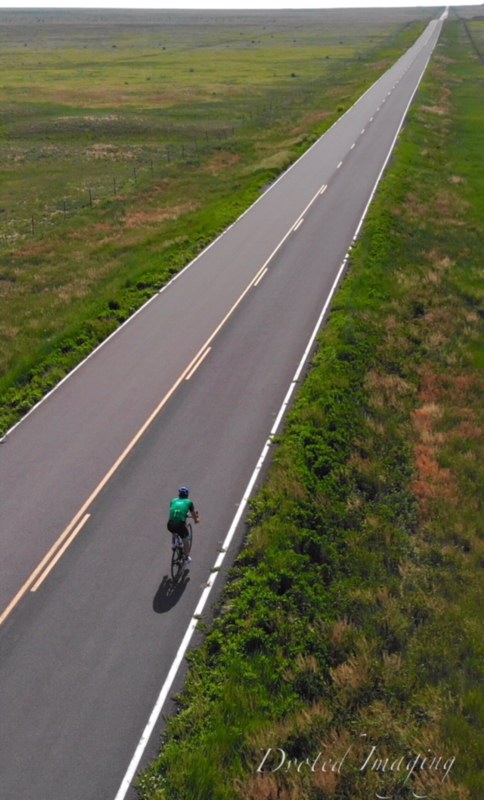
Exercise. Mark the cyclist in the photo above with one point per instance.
(180, 508)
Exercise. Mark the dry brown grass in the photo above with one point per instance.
(467, 431)
(102, 152)
(327, 782)
(107, 98)
(315, 715)
(434, 482)
(425, 418)
(439, 261)
(263, 787)
(441, 111)
(450, 207)
(431, 386)
(356, 673)
(387, 389)
(33, 250)
(446, 206)
(139, 219)
(291, 487)
(341, 631)
(309, 121)
(220, 162)
(456, 180)
(320, 773)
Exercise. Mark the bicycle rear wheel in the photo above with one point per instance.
(177, 562)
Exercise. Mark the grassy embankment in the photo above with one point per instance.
(354, 616)
(174, 129)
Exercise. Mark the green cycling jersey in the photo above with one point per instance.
(180, 508)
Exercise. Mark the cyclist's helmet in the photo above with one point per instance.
(183, 491)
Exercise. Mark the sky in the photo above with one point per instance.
(222, 4)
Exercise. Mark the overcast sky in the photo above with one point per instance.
(219, 4)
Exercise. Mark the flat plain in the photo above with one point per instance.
(131, 139)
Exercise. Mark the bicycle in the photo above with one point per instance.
(178, 557)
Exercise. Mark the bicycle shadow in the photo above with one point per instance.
(169, 592)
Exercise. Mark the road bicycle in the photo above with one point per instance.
(178, 557)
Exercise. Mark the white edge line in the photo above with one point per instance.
(301, 220)
(154, 716)
(202, 253)
(391, 148)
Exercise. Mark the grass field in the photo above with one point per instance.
(142, 136)
(352, 626)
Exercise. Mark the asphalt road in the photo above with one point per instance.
(90, 622)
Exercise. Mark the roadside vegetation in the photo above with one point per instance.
(142, 137)
(353, 617)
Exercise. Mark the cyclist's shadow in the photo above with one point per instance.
(169, 592)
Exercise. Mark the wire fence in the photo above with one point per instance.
(189, 152)
(185, 146)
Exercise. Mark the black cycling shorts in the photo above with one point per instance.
(176, 526)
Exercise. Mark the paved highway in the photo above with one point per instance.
(188, 391)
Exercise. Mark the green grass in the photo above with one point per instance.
(127, 119)
(124, 100)
(353, 616)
